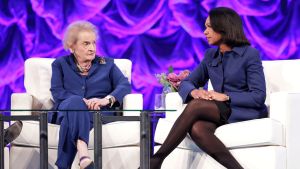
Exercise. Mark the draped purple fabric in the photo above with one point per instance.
(154, 34)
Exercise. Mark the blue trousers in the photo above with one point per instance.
(74, 125)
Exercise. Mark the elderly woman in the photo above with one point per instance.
(82, 81)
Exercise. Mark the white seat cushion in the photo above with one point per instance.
(114, 134)
(267, 157)
(262, 132)
(112, 158)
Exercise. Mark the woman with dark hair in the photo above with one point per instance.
(236, 74)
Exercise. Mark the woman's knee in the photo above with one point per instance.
(197, 132)
(199, 103)
(75, 98)
(201, 107)
(74, 103)
(201, 129)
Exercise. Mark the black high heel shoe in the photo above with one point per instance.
(12, 132)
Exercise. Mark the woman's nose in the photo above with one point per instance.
(205, 32)
(92, 47)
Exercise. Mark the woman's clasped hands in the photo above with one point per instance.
(95, 103)
(209, 95)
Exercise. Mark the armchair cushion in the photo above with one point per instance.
(22, 101)
(44, 80)
(132, 102)
(252, 133)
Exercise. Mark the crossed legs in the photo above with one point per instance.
(74, 133)
(200, 119)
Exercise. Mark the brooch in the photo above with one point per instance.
(102, 60)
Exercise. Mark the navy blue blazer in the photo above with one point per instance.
(103, 79)
(239, 74)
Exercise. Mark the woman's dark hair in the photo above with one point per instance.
(229, 24)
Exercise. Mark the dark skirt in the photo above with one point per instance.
(225, 112)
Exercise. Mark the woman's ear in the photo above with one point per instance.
(71, 50)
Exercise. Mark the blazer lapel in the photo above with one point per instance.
(95, 65)
(72, 62)
(216, 73)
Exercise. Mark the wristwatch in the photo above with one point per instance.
(227, 98)
(110, 99)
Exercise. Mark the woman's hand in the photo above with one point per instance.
(200, 94)
(218, 96)
(95, 103)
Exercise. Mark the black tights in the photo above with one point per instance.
(200, 119)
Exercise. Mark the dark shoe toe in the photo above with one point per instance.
(12, 132)
(90, 166)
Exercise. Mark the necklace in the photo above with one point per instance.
(84, 69)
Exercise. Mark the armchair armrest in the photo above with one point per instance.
(133, 102)
(21, 101)
(285, 107)
(174, 102)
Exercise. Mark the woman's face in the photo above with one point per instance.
(213, 38)
(84, 48)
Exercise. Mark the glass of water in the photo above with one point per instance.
(159, 102)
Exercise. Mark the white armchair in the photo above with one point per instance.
(268, 143)
(120, 142)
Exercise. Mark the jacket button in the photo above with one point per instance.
(83, 88)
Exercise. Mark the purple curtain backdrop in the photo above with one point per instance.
(153, 34)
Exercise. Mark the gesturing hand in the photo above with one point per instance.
(200, 94)
(95, 103)
(218, 96)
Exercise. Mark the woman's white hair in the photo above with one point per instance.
(72, 31)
